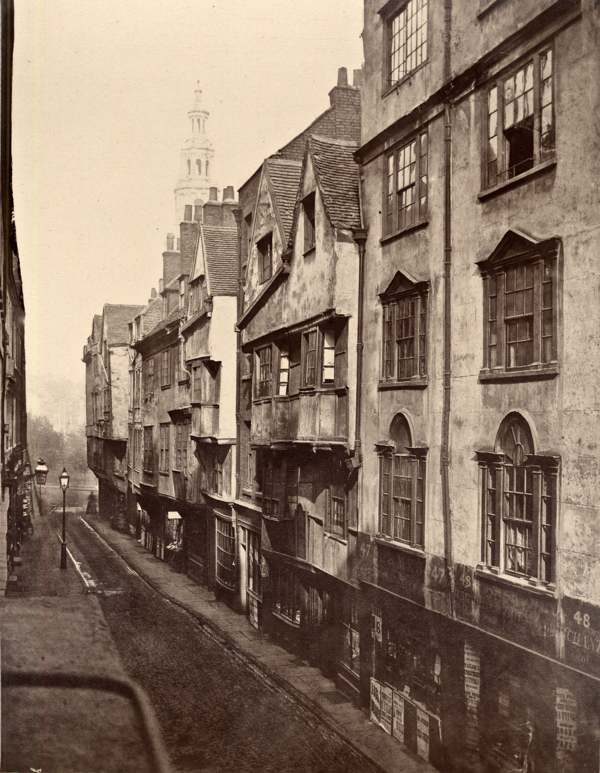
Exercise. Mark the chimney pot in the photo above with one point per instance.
(342, 77)
(170, 242)
(153, 293)
(187, 213)
(213, 194)
(228, 193)
(357, 78)
(160, 286)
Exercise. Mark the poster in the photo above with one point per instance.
(566, 720)
(386, 708)
(375, 701)
(472, 677)
(398, 717)
(423, 734)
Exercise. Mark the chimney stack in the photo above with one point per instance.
(153, 293)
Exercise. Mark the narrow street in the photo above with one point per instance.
(215, 714)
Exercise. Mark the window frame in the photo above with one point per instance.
(182, 438)
(394, 460)
(225, 570)
(401, 290)
(264, 251)
(264, 371)
(164, 452)
(543, 260)
(491, 179)
(148, 458)
(165, 369)
(287, 602)
(391, 13)
(500, 491)
(391, 224)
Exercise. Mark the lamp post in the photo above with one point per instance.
(64, 484)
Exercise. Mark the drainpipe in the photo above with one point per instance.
(445, 450)
(237, 213)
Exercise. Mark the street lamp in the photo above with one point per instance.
(64, 484)
(41, 472)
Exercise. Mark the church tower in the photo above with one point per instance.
(196, 160)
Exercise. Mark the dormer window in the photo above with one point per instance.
(265, 257)
(308, 208)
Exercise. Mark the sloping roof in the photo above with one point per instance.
(337, 175)
(116, 322)
(285, 179)
(221, 259)
(176, 314)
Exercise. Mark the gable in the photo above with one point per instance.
(402, 282)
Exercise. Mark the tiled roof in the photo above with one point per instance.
(285, 179)
(116, 322)
(337, 174)
(151, 315)
(221, 259)
(177, 313)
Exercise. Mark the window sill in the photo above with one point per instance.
(163, 472)
(388, 542)
(285, 620)
(416, 382)
(310, 251)
(390, 89)
(534, 373)
(499, 187)
(165, 386)
(148, 472)
(407, 229)
(512, 581)
(485, 6)
(336, 537)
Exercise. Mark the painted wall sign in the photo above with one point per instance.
(398, 717)
(377, 626)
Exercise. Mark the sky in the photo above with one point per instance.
(101, 93)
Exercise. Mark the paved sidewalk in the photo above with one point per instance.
(305, 684)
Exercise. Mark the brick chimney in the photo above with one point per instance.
(345, 101)
(189, 230)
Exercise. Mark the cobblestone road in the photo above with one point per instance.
(217, 716)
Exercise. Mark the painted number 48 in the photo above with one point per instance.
(583, 620)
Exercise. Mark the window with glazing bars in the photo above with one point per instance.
(521, 314)
(310, 358)
(182, 435)
(165, 433)
(165, 368)
(402, 481)
(264, 371)
(404, 337)
(148, 449)
(225, 553)
(265, 258)
(519, 496)
(406, 191)
(520, 120)
(407, 40)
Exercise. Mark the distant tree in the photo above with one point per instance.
(45, 442)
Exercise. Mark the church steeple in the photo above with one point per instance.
(196, 160)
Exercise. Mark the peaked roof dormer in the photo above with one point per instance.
(337, 177)
(283, 179)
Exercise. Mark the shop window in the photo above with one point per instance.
(405, 197)
(402, 487)
(164, 461)
(254, 578)
(265, 258)
(520, 120)
(406, 40)
(520, 306)
(519, 498)
(148, 450)
(288, 594)
(308, 208)
(225, 553)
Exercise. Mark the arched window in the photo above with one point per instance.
(198, 121)
(189, 166)
(199, 165)
(519, 490)
(402, 486)
(206, 168)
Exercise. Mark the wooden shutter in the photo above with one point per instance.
(341, 357)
